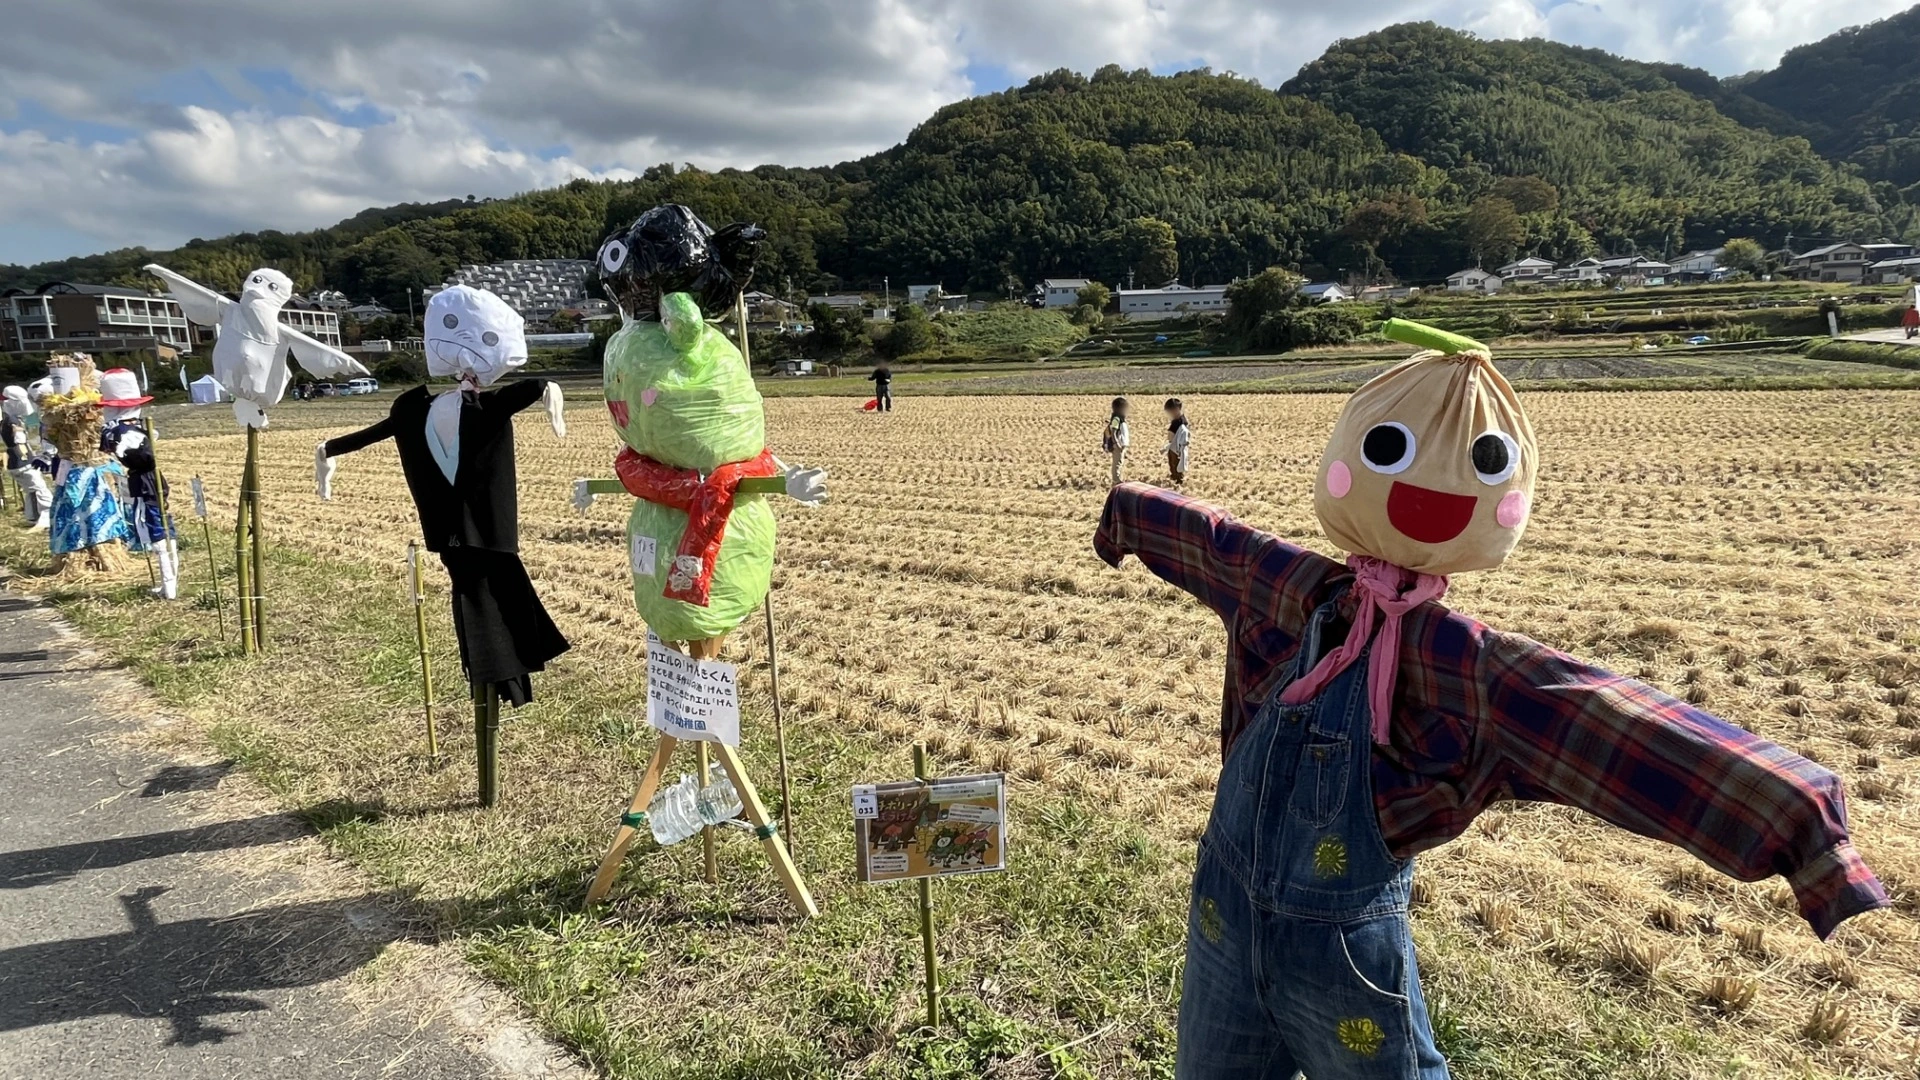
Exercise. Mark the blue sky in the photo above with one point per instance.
(218, 116)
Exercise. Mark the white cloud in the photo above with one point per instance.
(494, 96)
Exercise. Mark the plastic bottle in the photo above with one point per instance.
(672, 815)
(719, 801)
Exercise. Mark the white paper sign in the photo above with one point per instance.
(866, 802)
(641, 555)
(692, 699)
(199, 498)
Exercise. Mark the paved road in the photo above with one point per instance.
(152, 925)
(1897, 336)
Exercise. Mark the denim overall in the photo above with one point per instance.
(1299, 953)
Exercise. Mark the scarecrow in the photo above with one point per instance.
(20, 431)
(700, 535)
(457, 453)
(129, 439)
(88, 529)
(1364, 722)
(250, 362)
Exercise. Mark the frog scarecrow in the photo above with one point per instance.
(1363, 722)
(700, 536)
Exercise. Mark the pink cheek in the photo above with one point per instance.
(648, 396)
(1512, 510)
(1339, 480)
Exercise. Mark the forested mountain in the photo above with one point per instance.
(1635, 157)
(1856, 95)
(1407, 152)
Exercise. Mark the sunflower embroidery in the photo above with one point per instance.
(1211, 927)
(1362, 1036)
(1330, 857)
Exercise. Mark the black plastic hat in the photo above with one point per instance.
(669, 249)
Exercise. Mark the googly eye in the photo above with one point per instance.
(613, 256)
(1388, 448)
(1495, 456)
(450, 321)
(490, 339)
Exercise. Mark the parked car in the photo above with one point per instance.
(361, 386)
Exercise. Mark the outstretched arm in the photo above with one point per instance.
(1563, 731)
(324, 453)
(1203, 549)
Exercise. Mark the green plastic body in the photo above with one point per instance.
(1427, 337)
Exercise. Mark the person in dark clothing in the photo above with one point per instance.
(882, 379)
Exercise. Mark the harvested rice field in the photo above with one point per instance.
(1753, 552)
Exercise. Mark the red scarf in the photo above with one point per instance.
(706, 502)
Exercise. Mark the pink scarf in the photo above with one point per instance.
(1392, 591)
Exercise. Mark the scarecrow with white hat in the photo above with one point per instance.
(1364, 722)
(19, 430)
(129, 438)
(87, 525)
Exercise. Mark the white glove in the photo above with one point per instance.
(132, 440)
(323, 467)
(583, 496)
(808, 487)
(555, 403)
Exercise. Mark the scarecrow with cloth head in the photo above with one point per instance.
(1363, 722)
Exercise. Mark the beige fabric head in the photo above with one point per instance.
(1430, 467)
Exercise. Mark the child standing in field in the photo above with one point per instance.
(1179, 434)
(1115, 441)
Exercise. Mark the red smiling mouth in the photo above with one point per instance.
(1431, 517)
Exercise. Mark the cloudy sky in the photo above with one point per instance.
(153, 122)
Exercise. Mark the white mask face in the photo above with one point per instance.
(116, 413)
(473, 334)
(17, 405)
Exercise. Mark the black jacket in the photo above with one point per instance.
(481, 508)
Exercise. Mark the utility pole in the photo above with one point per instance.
(886, 291)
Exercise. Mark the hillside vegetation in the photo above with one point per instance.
(1406, 152)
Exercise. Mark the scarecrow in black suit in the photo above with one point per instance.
(456, 449)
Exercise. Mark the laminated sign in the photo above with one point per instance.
(689, 698)
(199, 498)
(916, 829)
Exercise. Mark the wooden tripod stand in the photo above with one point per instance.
(635, 818)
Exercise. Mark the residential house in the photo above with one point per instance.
(329, 300)
(839, 301)
(1587, 271)
(1836, 263)
(1376, 293)
(1325, 292)
(764, 308)
(364, 312)
(1062, 292)
(919, 294)
(1473, 280)
(536, 288)
(63, 315)
(1894, 271)
(1528, 271)
(1172, 301)
(1696, 266)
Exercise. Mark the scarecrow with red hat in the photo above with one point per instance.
(129, 439)
(1364, 722)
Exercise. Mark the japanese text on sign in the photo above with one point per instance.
(689, 698)
(912, 829)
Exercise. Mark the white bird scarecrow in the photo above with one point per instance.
(250, 362)
(250, 356)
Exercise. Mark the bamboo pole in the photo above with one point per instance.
(242, 577)
(926, 912)
(706, 831)
(420, 638)
(486, 730)
(780, 731)
(259, 542)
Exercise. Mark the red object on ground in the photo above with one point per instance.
(707, 503)
(871, 405)
(1910, 317)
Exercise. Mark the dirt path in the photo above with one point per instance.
(157, 918)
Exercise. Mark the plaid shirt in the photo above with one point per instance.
(1481, 715)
